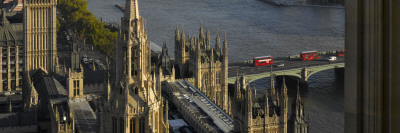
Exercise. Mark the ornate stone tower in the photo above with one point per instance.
(207, 66)
(298, 122)
(248, 114)
(284, 106)
(242, 106)
(135, 104)
(40, 38)
(75, 73)
(181, 53)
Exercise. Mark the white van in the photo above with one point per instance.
(332, 58)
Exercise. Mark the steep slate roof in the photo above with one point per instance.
(46, 85)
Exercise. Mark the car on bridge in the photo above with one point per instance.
(332, 58)
(279, 65)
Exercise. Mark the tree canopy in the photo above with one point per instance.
(84, 23)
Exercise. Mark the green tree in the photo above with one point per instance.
(81, 20)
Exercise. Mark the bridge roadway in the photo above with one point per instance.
(292, 67)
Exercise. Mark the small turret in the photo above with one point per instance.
(201, 36)
(218, 43)
(183, 37)
(225, 51)
(284, 87)
(177, 37)
(249, 107)
(208, 45)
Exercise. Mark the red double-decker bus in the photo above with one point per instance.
(340, 53)
(262, 60)
(309, 55)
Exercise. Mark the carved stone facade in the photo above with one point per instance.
(208, 66)
(11, 54)
(135, 103)
(250, 116)
(298, 122)
(75, 73)
(40, 38)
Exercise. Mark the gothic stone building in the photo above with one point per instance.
(40, 39)
(134, 103)
(298, 123)
(250, 117)
(11, 52)
(269, 113)
(208, 66)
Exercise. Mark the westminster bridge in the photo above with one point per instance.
(287, 66)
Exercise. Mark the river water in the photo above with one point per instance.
(254, 28)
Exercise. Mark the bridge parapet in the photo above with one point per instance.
(250, 62)
(301, 73)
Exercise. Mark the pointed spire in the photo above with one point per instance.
(132, 9)
(183, 35)
(177, 37)
(201, 36)
(284, 87)
(249, 95)
(225, 46)
(217, 42)
(208, 45)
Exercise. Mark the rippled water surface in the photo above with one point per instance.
(255, 28)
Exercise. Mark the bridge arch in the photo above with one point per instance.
(302, 73)
(320, 70)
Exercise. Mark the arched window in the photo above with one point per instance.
(205, 80)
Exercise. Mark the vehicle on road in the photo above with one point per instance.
(340, 53)
(280, 65)
(263, 60)
(332, 58)
(309, 55)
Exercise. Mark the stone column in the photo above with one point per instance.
(1, 70)
(304, 74)
(17, 68)
(129, 62)
(8, 69)
(372, 73)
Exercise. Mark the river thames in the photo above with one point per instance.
(255, 28)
